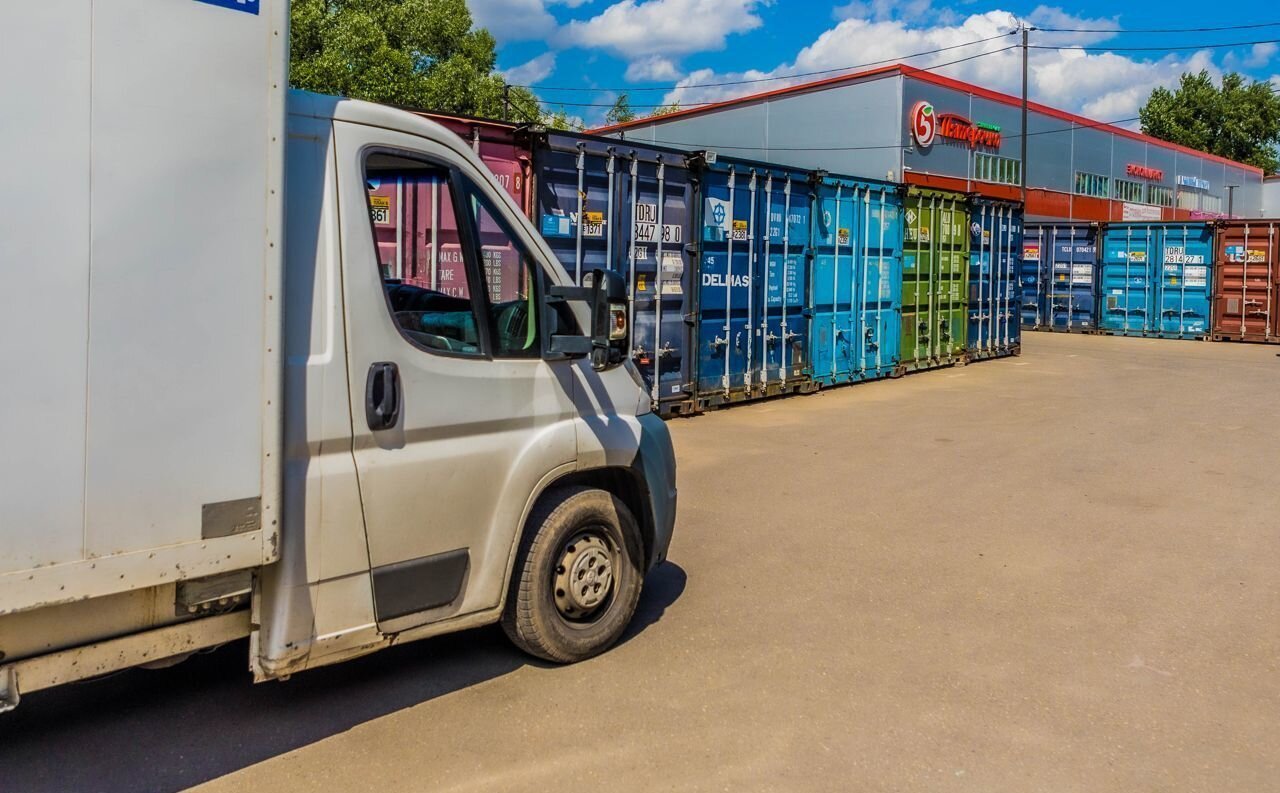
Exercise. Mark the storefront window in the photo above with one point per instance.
(1091, 184)
(990, 168)
(1160, 196)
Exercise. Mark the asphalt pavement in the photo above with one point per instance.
(1058, 572)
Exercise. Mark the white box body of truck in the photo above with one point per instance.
(142, 268)
(232, 415)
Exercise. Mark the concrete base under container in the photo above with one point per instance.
(1150, 335)
(680, 407)
(924, 364)
(972, 356)
(1249, 338)
(769, 391)
(1050, 329)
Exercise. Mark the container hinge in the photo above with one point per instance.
(9, 696)
(213, 594)
(690, 319)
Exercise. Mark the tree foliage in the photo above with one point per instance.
(414, 53)
(621, 111)
(1239, 120)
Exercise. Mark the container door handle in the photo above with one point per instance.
(382, 396)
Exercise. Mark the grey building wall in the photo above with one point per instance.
(853, 129)
(1271, 198)
(860, 129)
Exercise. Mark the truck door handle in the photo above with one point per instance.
(382, 396)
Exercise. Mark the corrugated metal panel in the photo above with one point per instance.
(995, 245)
(857, 280)
(753, 302)
(935, 263)
(603, 203)
(1246, 304)
(1155, 279)
(1058, 275)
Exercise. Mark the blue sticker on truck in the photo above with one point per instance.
(248, 6)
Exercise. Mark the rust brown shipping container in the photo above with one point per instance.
(1246, 305)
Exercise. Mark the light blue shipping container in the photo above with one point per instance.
(1156, 279)
(856, 282)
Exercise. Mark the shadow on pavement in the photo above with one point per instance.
(169, 729)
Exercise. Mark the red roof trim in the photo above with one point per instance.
(936, 79)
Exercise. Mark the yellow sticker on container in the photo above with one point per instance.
(594, 218)
(380, 201)
(640, 287)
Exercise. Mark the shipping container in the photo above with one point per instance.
(856, 283)
(935, 264)
(1155, 279)
(417, 235)
(605, 203)
(995, 246)
(753, 309)
(1059, 276)
(1246, 295)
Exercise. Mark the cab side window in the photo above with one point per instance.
(512, 282)
(422, 255)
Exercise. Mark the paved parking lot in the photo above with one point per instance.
(1054, 573)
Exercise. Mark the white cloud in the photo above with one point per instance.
(532, 71)
(1101, 85)
(655, 67)
(513, 20)
(1261, 55)
(636, 29)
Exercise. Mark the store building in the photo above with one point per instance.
(913, 126)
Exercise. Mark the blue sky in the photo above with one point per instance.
(678, 46)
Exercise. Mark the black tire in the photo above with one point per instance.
(567, 520)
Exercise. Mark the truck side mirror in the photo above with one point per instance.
(605, 293)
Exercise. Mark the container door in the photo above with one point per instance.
(1075, 276)
(657, 211)
(917, 278)
(725, 286)
(879, 285)
(951, 319)
(782, 299)
(1033, 276)
(450, 393)
(983, 249)
(1246, 277)
(834, 341)
(1009, 292)
(1128, 258)
(1186, 255)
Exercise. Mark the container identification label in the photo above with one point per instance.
(672, 273)
(1197, 276)
(380, 209)
(1176, 254)
(1082, 273)
(247, 6)
(1031, 253)
(647, 226)
(1238, 254)
(739, 230)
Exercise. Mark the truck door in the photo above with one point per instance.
(457, 417)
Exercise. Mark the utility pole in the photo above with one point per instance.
(506, 101)
(1023, 158)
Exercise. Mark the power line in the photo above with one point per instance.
(1160, 30)
(684, 105)
(766, 79)
(1153, 49)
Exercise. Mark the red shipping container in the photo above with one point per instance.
(415, 227)
(1246, 304)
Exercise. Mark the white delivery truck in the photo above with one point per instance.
(235, 406)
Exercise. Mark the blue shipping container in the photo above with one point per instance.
(995, 295)
(604, 203)
(1156, 279)
(753, 311)
(1059, 276)
(856, 283)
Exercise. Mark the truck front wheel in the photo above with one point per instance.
(577, 577)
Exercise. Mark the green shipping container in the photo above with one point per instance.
(935, 271)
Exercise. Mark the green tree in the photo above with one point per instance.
(674, 107)
(414, 53)
(621, 111)
(1239, 120)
